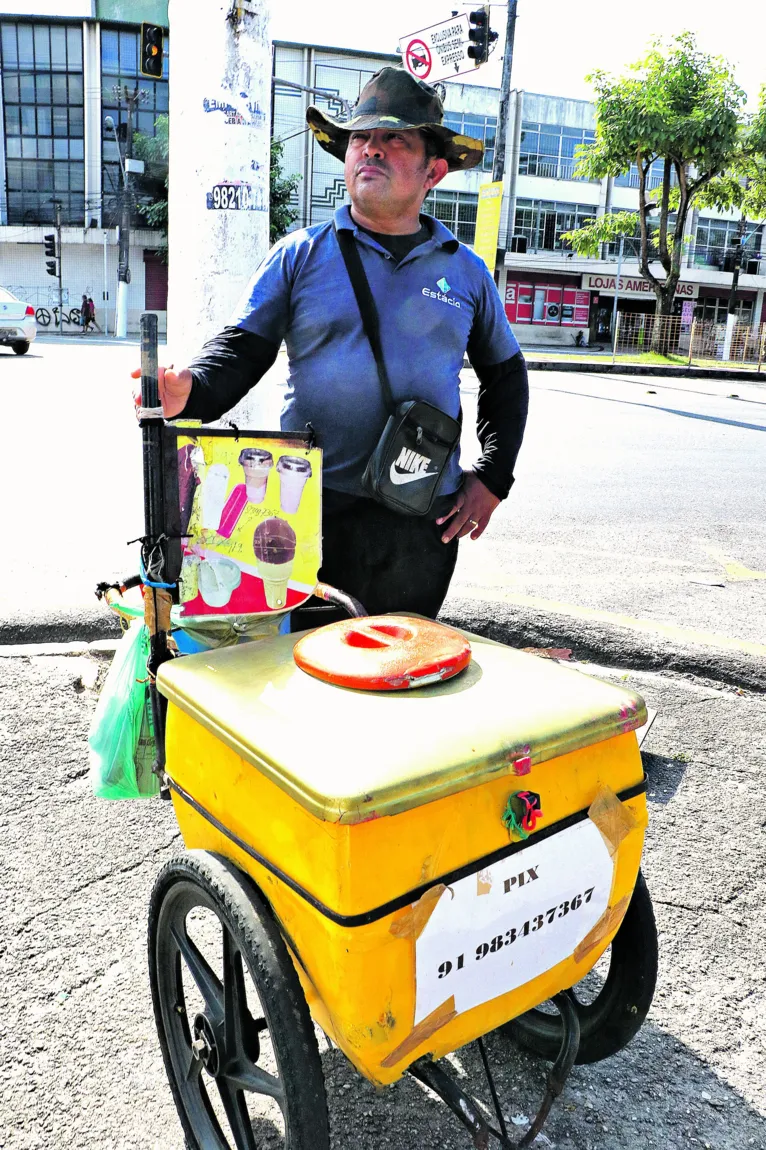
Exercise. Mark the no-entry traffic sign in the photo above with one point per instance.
(418, 60)
(439, 52)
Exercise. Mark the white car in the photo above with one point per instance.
(18, 326)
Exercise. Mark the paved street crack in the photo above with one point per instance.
(700, 910)
(63, 898)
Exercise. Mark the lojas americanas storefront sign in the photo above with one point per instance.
(633, 286)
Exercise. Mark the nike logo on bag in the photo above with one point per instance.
(412, 465)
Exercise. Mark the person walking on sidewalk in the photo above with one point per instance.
(92, 309)
(87, 314)
(436, 302)
(84, 315)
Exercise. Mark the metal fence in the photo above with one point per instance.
(639, 336)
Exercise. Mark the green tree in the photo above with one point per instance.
(281, 188)
(152, 187)
(683, 109)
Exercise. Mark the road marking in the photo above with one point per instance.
(646, 626)
(736, 572)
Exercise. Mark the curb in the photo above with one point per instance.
(591, 641)
(661, 370)
(64, 626)
(609, 645)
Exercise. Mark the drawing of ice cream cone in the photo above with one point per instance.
(293, 472)
(274, 546)
(256, 463)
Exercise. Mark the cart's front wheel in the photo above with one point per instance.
(235, 1032)
(611, 1012)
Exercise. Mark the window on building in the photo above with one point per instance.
(716, 309)
(120, 71)
(714, 241)
(549, 149)
(456, 210)
(41, 68)
(543, 222)
(654, 177)
(480, 127)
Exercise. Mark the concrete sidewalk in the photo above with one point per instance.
(600, 367)
(77, 1038)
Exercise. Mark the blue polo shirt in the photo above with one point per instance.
(435, 305)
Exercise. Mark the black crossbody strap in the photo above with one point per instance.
(367, 309)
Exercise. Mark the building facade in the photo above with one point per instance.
(552, 296)
(62, 75)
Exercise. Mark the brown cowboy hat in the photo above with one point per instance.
(395, 99)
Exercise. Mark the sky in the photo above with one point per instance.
(557, 41)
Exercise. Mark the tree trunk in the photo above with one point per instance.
(664, 335)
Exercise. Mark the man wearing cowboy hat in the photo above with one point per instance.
(435, 301)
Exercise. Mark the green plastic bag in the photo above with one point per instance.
(121, 735)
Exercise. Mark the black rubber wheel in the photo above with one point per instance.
(614, 1014)
(21, 347)
(235, 1031)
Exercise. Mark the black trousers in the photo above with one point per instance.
(389, 562)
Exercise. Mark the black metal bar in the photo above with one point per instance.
(155, 567)
(570, 1044)
(492, 1089)
(463, 1107)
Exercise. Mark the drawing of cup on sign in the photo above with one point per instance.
(218, 580)
(293, 472)
(256, 464)
(274, 547)
(214, 495)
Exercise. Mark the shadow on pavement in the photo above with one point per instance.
(667, 410)
(656, 1093)
(663, 776)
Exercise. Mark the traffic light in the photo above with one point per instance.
(151, 51)
(480, 34)
(49, 243)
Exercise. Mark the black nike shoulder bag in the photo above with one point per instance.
(412, 454)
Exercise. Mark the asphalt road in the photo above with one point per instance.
(81, 1065)
(636, 499)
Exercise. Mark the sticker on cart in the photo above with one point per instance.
(527, 914)
(249, 513)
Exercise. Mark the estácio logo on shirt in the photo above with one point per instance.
(441, 295)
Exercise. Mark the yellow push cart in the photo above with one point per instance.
(366, 856)
(408, 869)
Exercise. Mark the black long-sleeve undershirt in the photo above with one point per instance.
(228, 366)
(501, 419)
(234, 361)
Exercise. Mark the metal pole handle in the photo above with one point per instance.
(150, 392)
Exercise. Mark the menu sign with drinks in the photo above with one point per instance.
(248, 517)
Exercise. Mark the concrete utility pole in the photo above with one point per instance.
(57, 204)
(218, 203)
(132, 99)
(731, 311)
(498, 169)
